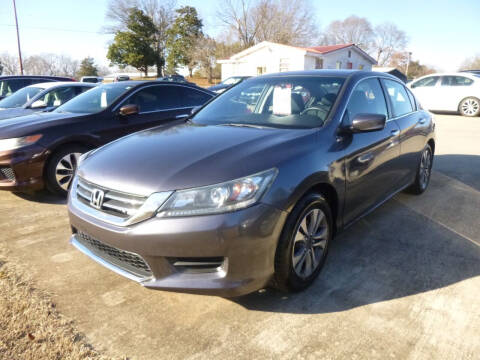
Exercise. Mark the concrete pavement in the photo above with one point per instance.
(404, 282)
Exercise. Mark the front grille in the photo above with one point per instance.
(198, 264)
(114, 202)
(7, 173)
(125, 260)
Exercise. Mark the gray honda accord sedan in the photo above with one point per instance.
(249, 191)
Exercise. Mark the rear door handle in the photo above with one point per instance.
(395, 132)
(422, 121)
(182, 116)
(365, 158)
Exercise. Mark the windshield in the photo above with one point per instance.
(94, 100)
(292, 102)
(20, 97)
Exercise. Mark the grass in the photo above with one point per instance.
(30, 325)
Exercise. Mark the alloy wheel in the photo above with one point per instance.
(470, 107)
(425, 167)
(65, 170)
(309, 243)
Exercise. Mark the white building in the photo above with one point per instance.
(267, 57)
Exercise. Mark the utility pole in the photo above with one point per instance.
(18, 39)
(408, 63)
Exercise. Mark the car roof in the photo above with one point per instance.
(6, 77)
(51, 84)
(344, 73)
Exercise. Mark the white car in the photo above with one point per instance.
(449, 92)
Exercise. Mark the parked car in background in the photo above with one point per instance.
(40, 97)
(459, 92)
(475, 72)
(227, 83)
(251, 190)
(175, 78)
(42, 149)
(10, 84)
(121, 78)
(92, 79)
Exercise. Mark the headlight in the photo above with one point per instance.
(16, 143)
(220, 198)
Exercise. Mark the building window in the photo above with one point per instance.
(284, 63)
(318, 63)
(339, 65)
(261, 70)
(360, 67)
(349, 53)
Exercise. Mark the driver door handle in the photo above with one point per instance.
(422, 121)
(395, 132)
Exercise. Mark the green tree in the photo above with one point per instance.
(136, 45)
(182, 39)
(87, 68)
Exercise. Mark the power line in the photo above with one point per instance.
(55, 29)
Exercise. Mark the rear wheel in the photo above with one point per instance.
(423, 173)
(303, 245)
(470, 107)
(61, 168)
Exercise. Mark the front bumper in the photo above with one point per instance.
(244, 240)
(26, 168)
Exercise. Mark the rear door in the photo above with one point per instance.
(413, 126)
(372, 166)
(453, 89)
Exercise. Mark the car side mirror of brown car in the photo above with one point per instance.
(128, 110)
(367, 123)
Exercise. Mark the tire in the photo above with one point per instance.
(290, 272)
(61, 167)
(469, 107)
(424, 171)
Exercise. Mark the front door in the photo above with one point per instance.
(372, 168)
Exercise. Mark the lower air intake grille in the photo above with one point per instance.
(7, 173)
(125, 260)
(198, 265)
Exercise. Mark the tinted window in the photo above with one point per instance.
(191, 97)
(57, 97)
(398, 97)
(37, 81)
(456, 81)
(412, 99)
(428, 81)
(367, 98)
(8, 87)
(291, 101)
(155, 98)
(21, 97)
(95, 100)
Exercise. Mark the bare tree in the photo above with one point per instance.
(285, 21)
(50, 64)
(206, 54)
(9, 64)
(161, 12)
(352, 30)
(388, 39)
(471, 64)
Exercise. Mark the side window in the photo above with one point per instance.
(81, 89)
(17, 84)
(456, 81)
(412, 99)
(155, 98)
(367, 98)
(57, 97)
(428, 81)
(398, 97)
(191, 97)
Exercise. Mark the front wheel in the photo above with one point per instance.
(62, 167)
(303, 245)
(470, 107)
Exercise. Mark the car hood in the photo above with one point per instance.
(189, 155)
(30, 124)
(15, 112)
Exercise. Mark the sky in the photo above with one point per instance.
(442, 33)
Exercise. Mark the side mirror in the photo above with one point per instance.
(128, 110)
(367, 123)
(194, 110)
(39, 104)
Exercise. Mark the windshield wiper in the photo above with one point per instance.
(245, 125)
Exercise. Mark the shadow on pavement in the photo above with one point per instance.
(455, 166)
(43, 197)
(392, 253)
